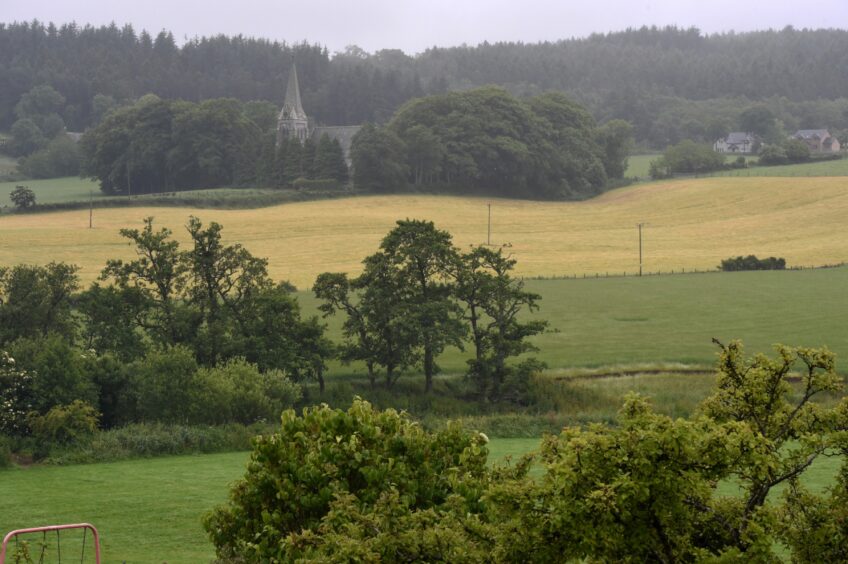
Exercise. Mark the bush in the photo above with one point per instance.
(5, 452)
(751, 262)
(64, 424)
(317, 184)
(164, 384)
(689, 157)
(16, 397)
(331, 465)
(235, 391)
(143, 440)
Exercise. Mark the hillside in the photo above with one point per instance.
(692, 224)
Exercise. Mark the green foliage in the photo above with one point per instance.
(60, 371)
(331, 467)
(22, 197)
(5, 452)
(751, 262)
(329, 160)
(485, 140)
(616, 139)
(26, 138)
(687, 157)
(64, 424)
(165, 385)
(786, 151)
(378, 160)
(61, 157)
(16, 397)
(773, 155)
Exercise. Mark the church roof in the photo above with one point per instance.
(292, 107)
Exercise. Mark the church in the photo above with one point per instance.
(294, 124)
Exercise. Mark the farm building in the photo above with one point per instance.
(818, 140)
(293, 122)
(736, 142)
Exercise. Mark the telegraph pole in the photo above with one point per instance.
(639, 225)
(90, 209)
(489, 228)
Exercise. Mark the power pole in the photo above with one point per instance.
(90, 209)
(489, 228)
(639, 225)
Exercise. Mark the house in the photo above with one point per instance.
(737, 142)
(818, 140)
(293, 122)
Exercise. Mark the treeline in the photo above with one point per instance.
(158, 145)
(487, 141)
(202, 335)
(670, 83)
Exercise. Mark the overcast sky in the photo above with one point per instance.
(414, 25)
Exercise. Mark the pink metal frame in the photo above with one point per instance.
(13, 534)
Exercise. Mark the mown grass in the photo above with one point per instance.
(692, 224)
(54, 190)
(150, 510)
(146, 510)
(657, 319)
(810, 169)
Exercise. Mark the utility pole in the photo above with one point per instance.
(489, 228)
(90, 209)
(639, 225)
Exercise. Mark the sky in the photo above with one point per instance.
(415, 25)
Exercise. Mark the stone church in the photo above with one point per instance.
(293, 122)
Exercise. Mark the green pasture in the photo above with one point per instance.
(638, 166)
(54, 190)
(822, 168)
(672, 318)
(145, 510)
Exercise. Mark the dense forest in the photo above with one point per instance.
(669, 83)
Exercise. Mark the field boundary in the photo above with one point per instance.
(676, 272)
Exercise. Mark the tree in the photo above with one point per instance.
(329, 466)
(616, 139)
(796, 150)
(421, 256)
(27, 138)
(687, 157)
(22, 197)
(61, 157)
(158, 275)
(379, 162)
(329, 160)
(493, 301)
(36, 301)
(773, 155)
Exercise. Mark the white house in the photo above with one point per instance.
(737, 142)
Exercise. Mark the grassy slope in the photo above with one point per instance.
(693, 223)
(145, 510)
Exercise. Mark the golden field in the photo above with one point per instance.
(691, 224)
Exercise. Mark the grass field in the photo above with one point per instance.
(54, 190)
(673, 318)
(150, 510)
(692, 223)
(824, 168)
(145, 510)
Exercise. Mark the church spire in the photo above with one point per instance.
(292, 102)
(292, 122)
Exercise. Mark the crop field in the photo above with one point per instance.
(145, 510)
(691, 224)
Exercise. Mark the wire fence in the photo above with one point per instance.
(646, 273)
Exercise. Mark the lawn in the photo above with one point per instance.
(150, 510)
(691, 224)
(145, 510)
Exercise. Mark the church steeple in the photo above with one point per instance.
(292, 122)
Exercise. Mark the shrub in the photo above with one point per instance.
(60, 158)
(690, 158)
(16, 397)
(164, 385)
(331, 465)
(235, 391)
(751, 262)
(5, 452)
(65, 424)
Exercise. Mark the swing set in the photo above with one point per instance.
(18, 554)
